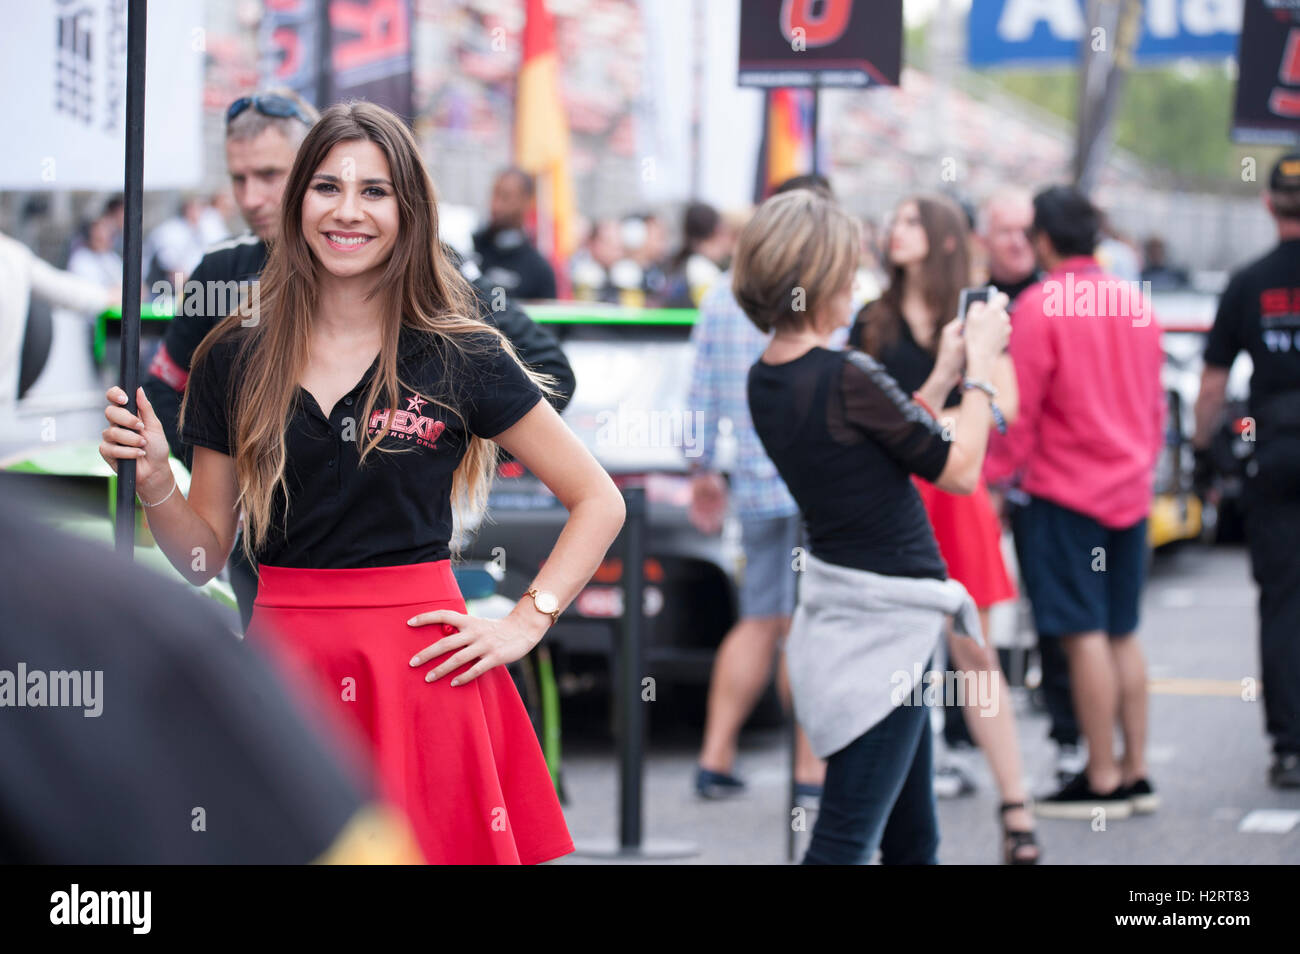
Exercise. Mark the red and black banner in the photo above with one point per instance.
(828, 43)
(1268, 73)
(367, 56)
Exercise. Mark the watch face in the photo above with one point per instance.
(546, 602)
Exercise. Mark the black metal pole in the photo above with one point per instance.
(324, 56)
(629, 707)
(137, 15)
(632, 750)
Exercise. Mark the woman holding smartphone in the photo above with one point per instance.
(346, 420)
(928, 263)
(874, 599)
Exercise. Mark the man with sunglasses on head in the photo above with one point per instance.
(263, 132)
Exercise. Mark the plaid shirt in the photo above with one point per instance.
(726, 345)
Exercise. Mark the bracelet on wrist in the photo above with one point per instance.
(144, 503)
(999, 420)
(977, 384)
(973, 384)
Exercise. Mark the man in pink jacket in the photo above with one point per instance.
(1087, 354)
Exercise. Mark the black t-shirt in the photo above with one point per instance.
(845, 440)
(508, 259)
(239, 261)
(1013, 289)
(396, 509)
(1260, 312)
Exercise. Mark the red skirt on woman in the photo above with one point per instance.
(463, 762)
(970, 541)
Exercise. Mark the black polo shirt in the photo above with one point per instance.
(396, 509)
(1259, 312)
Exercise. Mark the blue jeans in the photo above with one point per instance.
(879, 793)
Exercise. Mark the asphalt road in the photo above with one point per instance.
(1207, 753)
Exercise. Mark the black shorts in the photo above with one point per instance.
(1080, 576)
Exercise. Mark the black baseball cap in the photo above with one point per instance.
(1286, 174)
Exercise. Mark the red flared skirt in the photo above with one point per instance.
(462, 762)
(970, 541)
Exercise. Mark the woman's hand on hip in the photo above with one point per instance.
(492, 642)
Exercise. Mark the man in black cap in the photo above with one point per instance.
(1260, 313)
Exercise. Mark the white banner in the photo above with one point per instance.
(731, 118)
(63, 77)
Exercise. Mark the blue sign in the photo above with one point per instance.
(1048, 32)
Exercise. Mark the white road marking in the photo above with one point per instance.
(1269, 821)
(1179, 597)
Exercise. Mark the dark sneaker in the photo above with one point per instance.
(717, 785)
(1078, 801)
(1285, 771)
(1142, 796)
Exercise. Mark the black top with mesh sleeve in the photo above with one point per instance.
(846, 441)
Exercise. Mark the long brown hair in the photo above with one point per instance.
(943, 275)
(420, 288)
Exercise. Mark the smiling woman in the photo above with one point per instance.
(350, 209)
(349, 419)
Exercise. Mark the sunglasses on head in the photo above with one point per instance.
(280, 107)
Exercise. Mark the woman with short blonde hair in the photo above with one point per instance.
(808, 247)
(874, 597)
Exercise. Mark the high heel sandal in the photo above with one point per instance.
(1014, 841)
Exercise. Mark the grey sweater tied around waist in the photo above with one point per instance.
(856, 637)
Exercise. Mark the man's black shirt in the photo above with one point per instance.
(1260, 313)
(509, 260)
(236, 260)
(1013, 289)
(242, 260)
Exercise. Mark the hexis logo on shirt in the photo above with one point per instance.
(409, 424)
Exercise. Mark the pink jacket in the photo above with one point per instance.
(1087, 352)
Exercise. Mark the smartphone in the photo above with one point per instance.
(971, 295)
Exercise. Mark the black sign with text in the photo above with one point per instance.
(821, 42)
(1268, 73)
